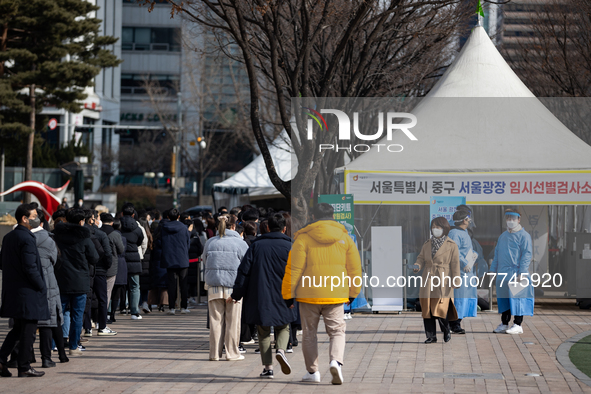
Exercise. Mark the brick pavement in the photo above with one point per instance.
(385, 353)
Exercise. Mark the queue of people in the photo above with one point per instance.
(70, 277)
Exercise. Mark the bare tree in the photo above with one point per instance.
(553, 56)
(328, 48)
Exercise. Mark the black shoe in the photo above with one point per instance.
(431, 340)
(447, 337)
(4, 372)
(289, 348)
(458, 331)
(109, 321)
(257, 350)
(47, 364)
(295, 342)
(241, 348)
(267, 374)
(64, 359)
(12, 364)
(31, 373)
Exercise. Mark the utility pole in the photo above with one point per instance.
(177, 152)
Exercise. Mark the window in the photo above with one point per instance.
(151, 39)
(135, 83)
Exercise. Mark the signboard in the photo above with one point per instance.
(52, 123)
(494, 188)
(444, 206)
(343, 209)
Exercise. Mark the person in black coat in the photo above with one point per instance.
(195, 250)
(118, 294)
(99, 285)
(158, 275)
(175, 258)
(259, 280)
(78, 256)
(24, 293)
(134, 235)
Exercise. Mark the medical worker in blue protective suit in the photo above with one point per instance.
(465, 297)
(513, 254)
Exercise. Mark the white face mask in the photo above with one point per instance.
(511, 224)
(204, 223)
(150, 222)
(99, 224)
(437, 232)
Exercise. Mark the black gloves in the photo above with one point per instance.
(289, 302)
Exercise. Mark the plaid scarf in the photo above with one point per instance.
(436, 244)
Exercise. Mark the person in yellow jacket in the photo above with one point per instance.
(323, 271)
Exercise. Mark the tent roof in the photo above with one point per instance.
(253, 179)
(505, 129)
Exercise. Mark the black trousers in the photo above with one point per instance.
(456, 324)
(100, 291)
(86, 320)
(23, 332)
(46, 334)
(117, 297)
(506, 318)
(181, 274)
(431, 327)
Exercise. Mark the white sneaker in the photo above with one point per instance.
(239, 358)
(335, 371)
(171, 312)
(501, 329)
(184, 311)
(311, 377)
(136, 317)
(107, 331)
(515, 329)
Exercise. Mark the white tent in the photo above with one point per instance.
(479, 123)
(252, 182)
(505, 129)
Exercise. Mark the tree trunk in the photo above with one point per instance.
(29, 165)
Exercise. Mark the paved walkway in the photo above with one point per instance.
(385, 353)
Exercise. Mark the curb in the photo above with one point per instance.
(562, 355)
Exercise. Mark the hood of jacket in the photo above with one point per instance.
(70, 233)
(324, 231)
(272, 235)
(41, 235)
(107, 229)
(128, 224)
(173, 227)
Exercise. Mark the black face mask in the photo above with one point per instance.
(34, 223)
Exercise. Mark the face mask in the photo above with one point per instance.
(99, 224)
(511, 224)
(204, 223)
(437, 232)
(150, 222)
(34, 223)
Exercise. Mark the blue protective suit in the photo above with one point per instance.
(513, 255)
(465, 297)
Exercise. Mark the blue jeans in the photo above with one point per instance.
(133, 281)
(77, 304)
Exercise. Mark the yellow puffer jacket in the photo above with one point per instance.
(321, 258)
